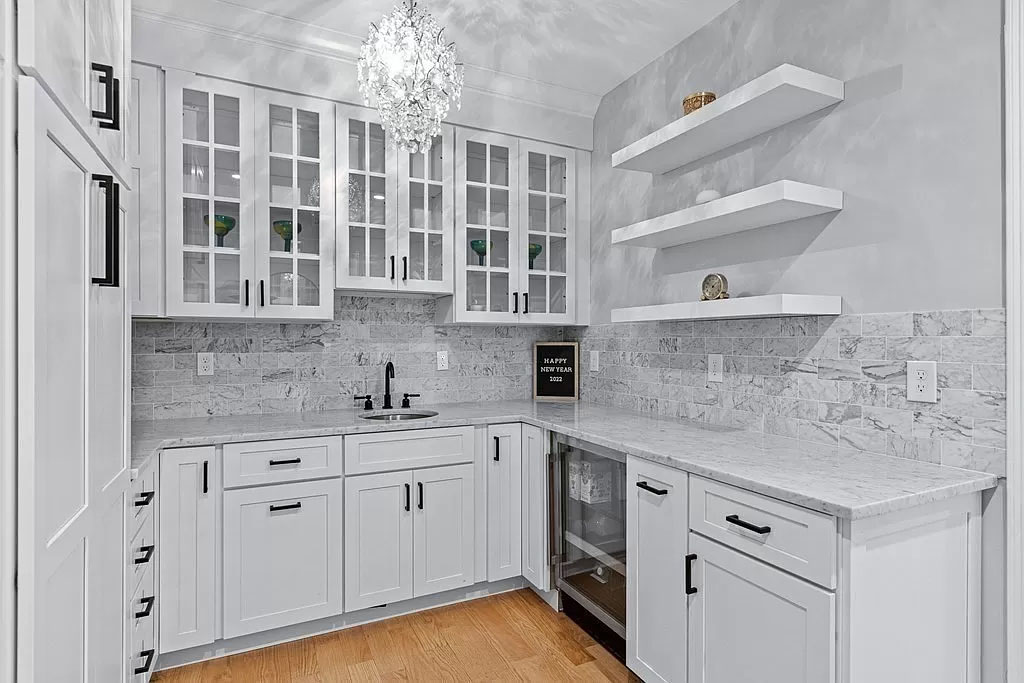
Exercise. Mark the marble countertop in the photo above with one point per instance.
(845, 483)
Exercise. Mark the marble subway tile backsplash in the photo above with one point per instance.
(834, 380)
(263, 367)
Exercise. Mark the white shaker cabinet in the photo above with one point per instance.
(145, 228)
(536, 533)
(189, 487)
(443, 529)
(504, 501)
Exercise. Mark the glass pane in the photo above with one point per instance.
(499, 292)
(357, 198)
(309, 135)
(476, 291)
(435, 207)
(538, 172)
(476, 205)
(417, 213)
(226, 175)
(556, 295)
(416, 255)
(282, 230)
(538, 213)
(195, 169)
(435, 258)
(476, 162)
(226, 230)
(377, 200)
(536, 254)
(282, 282)
(378, 253)
(307, 283)
(281, 181)
(557, 175)
(195, 277)
(557, 214)
(356, 145)
(309, 183)
(499, 249)
(357, 251)
(280, 129)
(476, 254)
(499, 165)
(193, 222)
(225, 120)
(499, 208)
(538, 294)
(417, 164)
(195, 115)
(435, 155)
(377, 153)
(309, 232)
(557, 258)
(225, 267)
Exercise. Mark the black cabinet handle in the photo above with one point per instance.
(206, 476)
(408, 498)
(282, 508)
(515, 302)
(263, 300)
(690, 589)
(148, 654)
(112, 249)
(148, 609)
(647, 487)
(110, 116)
(290, 461)
(247, 293)
(735, 519)
(526, 302)
(145, 498)
(147, 554)
(419, 485)
(405, 268)
(497, 448)
(392, 267)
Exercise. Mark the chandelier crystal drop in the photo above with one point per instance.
(410, 70)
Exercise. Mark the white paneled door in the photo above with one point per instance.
(535, 531)
(443, 529)
(72, 460)
(504, 501)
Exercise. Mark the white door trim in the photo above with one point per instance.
(1013, 127)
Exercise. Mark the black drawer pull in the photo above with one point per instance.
(147, 554)
(263, 299)
(291, 461)
(408, 498)
(145, 498)
(515, 302)
(148, 609)
(690, 589)
(206, 476)
(735, 519)
(392, 267)
(148, 654)
(647, 487)
(247, 292)
(405, 268)
(497, 448)
(419, 485)
(110, 116)
(112, 232)
(526, 302)
(281, 508)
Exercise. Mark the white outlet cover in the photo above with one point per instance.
(442, 360)
(595, 361)
(204, 364)
(922, 381)
(715, 367)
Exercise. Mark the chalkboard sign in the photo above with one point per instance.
(556, 371)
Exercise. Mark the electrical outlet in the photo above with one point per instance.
(595, 361)
(922, 381)
(715, 367)
(204, 364)
(442, 360)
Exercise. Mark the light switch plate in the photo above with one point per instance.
(595, 361)
(204, 364)
(715, 367)
(442, 360)
(922, 381)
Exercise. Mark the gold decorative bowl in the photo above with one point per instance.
(692, 103)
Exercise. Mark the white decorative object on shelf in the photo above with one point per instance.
(413, 73)
(766, 306)
(778, 202)
(705, 196)
(780, 96)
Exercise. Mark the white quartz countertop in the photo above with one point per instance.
(845, 483)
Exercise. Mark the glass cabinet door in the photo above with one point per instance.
(295, 206)
(486, 227)
(425, 217)
(209, 173)
(367, 241)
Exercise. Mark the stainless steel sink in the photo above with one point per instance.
(398, 415)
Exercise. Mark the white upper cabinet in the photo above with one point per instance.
(145, 235)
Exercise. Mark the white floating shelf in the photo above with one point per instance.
(767, 306)
(782, 95)
(778, 202)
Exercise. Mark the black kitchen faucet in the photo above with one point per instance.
(389, 374)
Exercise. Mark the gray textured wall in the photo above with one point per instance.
(916, 147)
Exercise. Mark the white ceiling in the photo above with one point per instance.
(583, 47)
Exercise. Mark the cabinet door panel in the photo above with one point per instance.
(378, 539)
(282, 555)
(749, 621)
(504, 501)
(426, 205)
(146, 211)
(535, 525)
(443, 529)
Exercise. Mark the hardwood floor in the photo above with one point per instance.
(508, 637)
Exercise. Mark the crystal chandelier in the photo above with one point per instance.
(413, 74)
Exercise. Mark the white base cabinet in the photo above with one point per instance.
(443, 526)
(536, 540)
(504, 501)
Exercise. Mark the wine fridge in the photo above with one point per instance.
(589, 538)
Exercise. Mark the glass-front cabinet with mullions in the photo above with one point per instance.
(244, 208)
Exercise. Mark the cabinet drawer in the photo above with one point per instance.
(272, 462)
(143, 500)
(390, 451)
(793, 538)
(142, 617)
(142, 550)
